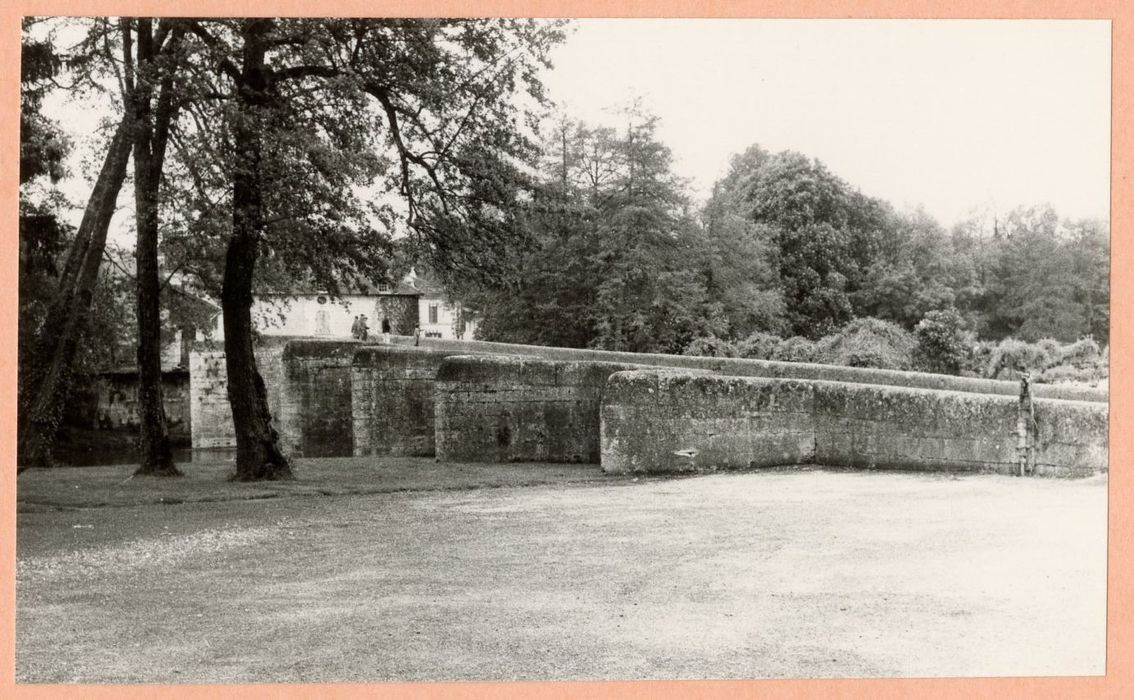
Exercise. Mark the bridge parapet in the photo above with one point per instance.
(510, 408)
(667, 422)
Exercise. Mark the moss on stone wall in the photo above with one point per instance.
(665, 422)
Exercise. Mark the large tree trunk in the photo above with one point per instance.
(258, 455)
(149, 154)
(47, 384)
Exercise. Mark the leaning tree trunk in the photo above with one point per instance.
(47, 383)
(258, 455)
(149, 154)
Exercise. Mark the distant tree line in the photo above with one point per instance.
(617, 257)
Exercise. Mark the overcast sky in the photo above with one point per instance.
(950, 115)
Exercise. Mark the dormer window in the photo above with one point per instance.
(384, 289)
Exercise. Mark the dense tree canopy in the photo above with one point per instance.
(322, 137)
(616, 259)
(782, 248)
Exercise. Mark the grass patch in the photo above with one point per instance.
(111, 486)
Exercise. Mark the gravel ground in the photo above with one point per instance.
(800, 573)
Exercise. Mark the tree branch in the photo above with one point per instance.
(212, 42)
(298, 72)
(166, 107)
(404, 154)
(114, 261)
(125, 83)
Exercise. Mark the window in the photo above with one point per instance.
(433, 313)
(322, 326)
(384, 289)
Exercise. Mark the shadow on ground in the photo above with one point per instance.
(93, 487)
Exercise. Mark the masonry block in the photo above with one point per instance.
(519, 409)
(210, 414)
(1072, 437)
(673, 422)
(315, 402)
(880, 427)
(664, 422)
(392, 399)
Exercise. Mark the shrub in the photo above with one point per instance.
(1052, 349)
(941, 344)
(1069, 373)
(978, 357)
(758, 346)
(795, 349)
(1084, 352)
(869, 342)
(1011, 355)
(710, 346)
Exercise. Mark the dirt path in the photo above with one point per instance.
(771, 574)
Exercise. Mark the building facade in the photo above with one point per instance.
(440, 318)
(408, 305)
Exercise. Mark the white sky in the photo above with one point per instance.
(952, 115)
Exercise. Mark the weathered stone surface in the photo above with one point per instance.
(1072, 437)
(315, 404)
(492, 408)
(786, 370)
(876, 427)
(663, 422)
(673, 422)
(392, 399)
(210, 414)
(325, 403)
(308, 386)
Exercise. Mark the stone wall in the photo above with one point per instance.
(210, 414)
(117, 404)
(1071, 433)
(767, 368)
(667, 422)
(314, 407)
(493, 408)
(672, 422)
(337, 398)
(890, 427)
(392, 399)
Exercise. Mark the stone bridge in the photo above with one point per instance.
(480, 401)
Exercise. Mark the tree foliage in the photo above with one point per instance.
(617, 260)
(55, 343)
(323, 137)
(941, 342)
(824, 233)
(842, 255)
